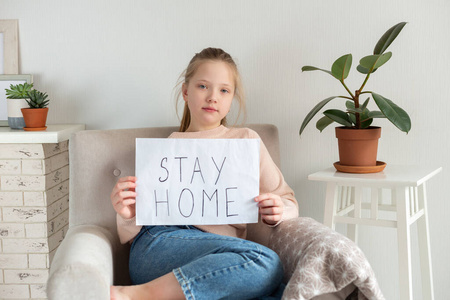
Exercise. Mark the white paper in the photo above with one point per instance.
(197, 181)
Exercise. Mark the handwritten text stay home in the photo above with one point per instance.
(196, 181)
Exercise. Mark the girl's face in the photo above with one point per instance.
(209, 95)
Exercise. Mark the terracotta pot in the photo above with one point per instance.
(358, 147)
(35, 118)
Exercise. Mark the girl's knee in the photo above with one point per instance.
(274, 262)
(271, 267)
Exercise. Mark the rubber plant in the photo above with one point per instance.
(357, 115)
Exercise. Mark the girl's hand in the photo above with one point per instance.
(271, 208)
(123, 197)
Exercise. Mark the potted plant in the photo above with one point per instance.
(36, 115)
(356, 120)
(16, 95)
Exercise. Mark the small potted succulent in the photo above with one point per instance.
(356, 130)
(16, 95)
(36, 115)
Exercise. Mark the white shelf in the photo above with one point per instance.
(393, 175)
(53, 134)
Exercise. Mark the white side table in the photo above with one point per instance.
(406, 190)
(34, 206)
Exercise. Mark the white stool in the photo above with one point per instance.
(406, 187)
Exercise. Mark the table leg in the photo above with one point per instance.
(330, 205)
(424, 247)
(352, 229)
(404, 243)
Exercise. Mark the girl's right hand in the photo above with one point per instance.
(123, 197)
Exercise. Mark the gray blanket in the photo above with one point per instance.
(321, 261)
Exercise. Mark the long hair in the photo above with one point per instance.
(209, 54)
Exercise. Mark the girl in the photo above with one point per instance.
(208, 261)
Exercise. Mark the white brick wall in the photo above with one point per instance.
(34, 215)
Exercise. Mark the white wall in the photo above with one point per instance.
(113, 64)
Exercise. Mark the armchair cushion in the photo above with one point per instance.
(319, 261)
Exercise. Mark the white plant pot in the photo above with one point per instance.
(15, 117)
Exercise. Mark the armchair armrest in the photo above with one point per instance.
(82, 267)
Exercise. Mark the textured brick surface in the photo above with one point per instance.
(34, 215)
(14, 291)
(10, 166)
(38, 261)
(11, 199)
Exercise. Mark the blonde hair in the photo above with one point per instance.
(209, 54)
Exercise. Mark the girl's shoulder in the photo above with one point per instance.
(243, 133)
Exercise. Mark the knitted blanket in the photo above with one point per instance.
(317, 260)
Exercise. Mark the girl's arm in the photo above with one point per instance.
(276, 200)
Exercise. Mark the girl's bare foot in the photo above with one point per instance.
(165, 287)
(118, 293)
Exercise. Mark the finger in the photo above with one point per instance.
(127, 194)
(125, 185)
(121, 188)
(269, 203)
(123, 195)
(128, 202)
(275, 210)
(127, 178)
(263, 197)
(271, 219)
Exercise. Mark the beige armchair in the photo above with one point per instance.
(91, 258)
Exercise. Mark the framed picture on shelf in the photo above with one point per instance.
(5, 82)
(9, 45)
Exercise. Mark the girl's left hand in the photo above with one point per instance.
(271, 208)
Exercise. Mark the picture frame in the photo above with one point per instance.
(9, 47)
(5, 82)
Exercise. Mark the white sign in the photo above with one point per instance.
(196, 181)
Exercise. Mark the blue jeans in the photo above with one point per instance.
(207, 266)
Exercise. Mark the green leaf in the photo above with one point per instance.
(393, 113)
(376, 114)
(364, 106)
(387, 38)
(314, 111)
(365, 124)
(355, 110)
(352, 118)
(18, 91)
(372, 62)
(366, 120)
(323, 123)
(338, 116)
(341, 67)
(350, 104)
(364, 113)
(311, 68)
(362, 70)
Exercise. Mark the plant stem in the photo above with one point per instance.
(356, 99)
(364, 83)
(353, 97)
(345, 97)
(357, 115)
